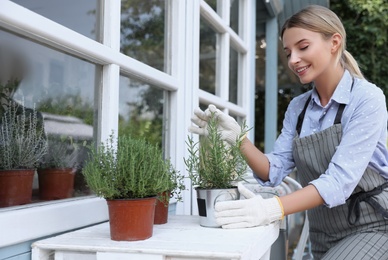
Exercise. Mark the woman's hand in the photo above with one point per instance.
(250, 212)
(228, 127)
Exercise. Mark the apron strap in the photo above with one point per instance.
(338, 116)
(367, 196)
(301, 116)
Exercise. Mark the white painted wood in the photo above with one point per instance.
(190, 92)
(107, 97)
(223, 10)
(182, 62)
(247, 71)
(108, 103)
(222, 66)
(208, 98)
(112, 23)
(126, 256)
(44, 219)
(41, 254)
(181, 238)
(61, 255)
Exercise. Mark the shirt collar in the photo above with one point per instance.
(341, 93)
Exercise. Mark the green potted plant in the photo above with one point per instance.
(22, 145)
(214, 168)
(57, 169)
(175, 187)
(129, 176)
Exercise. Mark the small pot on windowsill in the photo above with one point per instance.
(56, 183)
(16, 187)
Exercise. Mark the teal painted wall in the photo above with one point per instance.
(16, 252)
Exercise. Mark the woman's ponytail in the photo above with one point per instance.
(349, 63)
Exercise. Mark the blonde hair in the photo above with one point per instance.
(324, 21)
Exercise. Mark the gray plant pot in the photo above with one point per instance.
(206, 200)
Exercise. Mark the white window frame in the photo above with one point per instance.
(181, 81)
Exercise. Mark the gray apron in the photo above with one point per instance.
(328, 226)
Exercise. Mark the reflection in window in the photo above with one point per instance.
(233, 76)
(78, 15)
(234, 10)
(141, 110)
(60, 88)
(207, 62)
(143, 31)
(212, 4)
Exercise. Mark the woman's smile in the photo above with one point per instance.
(300, 71)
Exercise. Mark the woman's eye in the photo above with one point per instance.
(304, 48)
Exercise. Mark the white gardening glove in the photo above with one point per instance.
(230, 130)
(250, 212)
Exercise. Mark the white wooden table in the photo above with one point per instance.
(181, 238)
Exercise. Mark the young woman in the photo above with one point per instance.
(335, 135)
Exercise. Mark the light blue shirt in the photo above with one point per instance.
(363, 143)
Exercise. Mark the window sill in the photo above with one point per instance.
(45, 219)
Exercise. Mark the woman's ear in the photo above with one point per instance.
(336, 42)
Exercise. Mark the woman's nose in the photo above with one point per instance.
(293, 59)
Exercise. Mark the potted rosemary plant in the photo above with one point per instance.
(214, 168)
(129, 176)
(22, 145)
(174, 190)
(57, 169)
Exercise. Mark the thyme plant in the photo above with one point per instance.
(132, 169)
(175, 186)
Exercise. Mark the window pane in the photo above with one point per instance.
(78, 15)
(234, 10)
(61, 88)
(212, 4)
(143, 31)
(141, 110)
(233, 76)
(207, 62)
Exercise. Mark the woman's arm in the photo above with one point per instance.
(301, 200)
(297, 201)
(256, 160)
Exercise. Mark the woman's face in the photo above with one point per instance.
(308, 54)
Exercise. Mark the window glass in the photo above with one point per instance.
(59, 89)
(143, 31)
(233, 76)
(78, 15)
(212, 4)
(141, 110)
(234, 10)
(207, 59)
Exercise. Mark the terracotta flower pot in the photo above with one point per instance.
(56, 184)
(131, 219)
(16, 187)
(161, 209)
